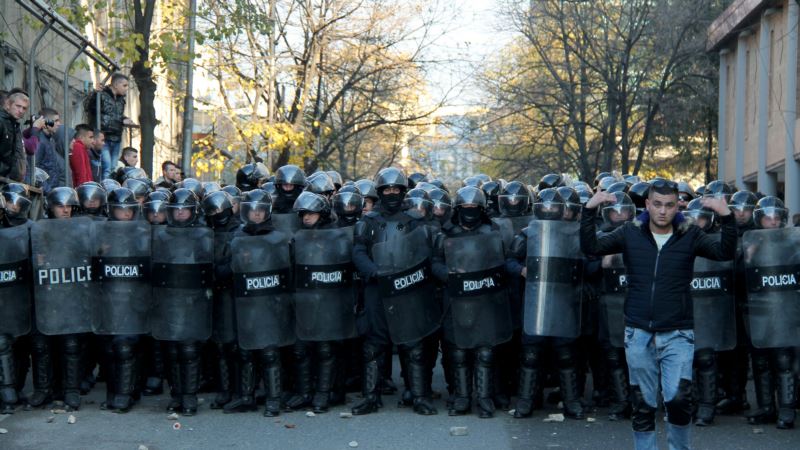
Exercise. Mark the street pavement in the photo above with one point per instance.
(148, 425)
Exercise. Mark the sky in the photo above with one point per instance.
(471, 36)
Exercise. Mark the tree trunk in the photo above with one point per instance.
(147, 114)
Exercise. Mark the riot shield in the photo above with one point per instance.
(121, 295)
(182, 276)
(772, 264)
(324, 293)
(554, 281)
(286, 222)
(15, 293)
(262, 290)
(62, 275)
(404, 284)
(612, 302)
(479, 307)
(509, 227)
(224, 310)
(714, 305)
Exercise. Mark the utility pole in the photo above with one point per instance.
(271, 88)
(188, 101)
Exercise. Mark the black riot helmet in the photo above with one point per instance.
(584, 192)
(619, 211)
(209, 187)
(600, 176)
(638, 192)
(718, 188)
(572, 203)
(699, 215)
(290, 174)
(439, 184)
(425, 186)
(126, 173)
(155, 207)
(491, 190)
(417, 204)
(139, 187)
(61, 196)
(631, 179)
(92, 198)
(183, 208)
(416, 178)
(685, 188)
(514, 200)
(309, 202)
(122, 205)
(743, 200)
(217, 208)
(605, 183)
(549, 205)
(18, 207)
(110, 184)
(442, 205)
(367, 189)
(336, 177)
(551, 180)
(618, 186)
(470, 205)
(770, 212)
(391, 177)
(234, 192)
(18, 188)
(320, 183)
(193, 185)
(700, 191)
(250, 176)
(472, 181)
(484, 178)
(255, 207)
(269, 186)
(348, 204)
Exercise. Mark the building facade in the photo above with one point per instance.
(756, 41)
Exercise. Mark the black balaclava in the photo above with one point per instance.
(469, 217)
(392, 203)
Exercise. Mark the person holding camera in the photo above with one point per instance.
(48, 157)
(112, 118)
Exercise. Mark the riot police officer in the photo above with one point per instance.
(251, 176)
(92, 199)
(348, 205)
(368, 191)
(289, 183)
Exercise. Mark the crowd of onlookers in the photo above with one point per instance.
(32, 150)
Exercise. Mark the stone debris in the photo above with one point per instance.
(310, 414)
(345, 415)
(353, 444)
(554, 418)
(459, 431)
(71, 419)
(173, 416)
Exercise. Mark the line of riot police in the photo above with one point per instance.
(282, 279)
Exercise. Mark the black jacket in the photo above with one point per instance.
(659, 297)
(112, 113)
(12, 153)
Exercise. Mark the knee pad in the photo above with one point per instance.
(458, 357)
(530, 357)
(124, 351)
(188, 351)
(324, 350)
(72, 345)
(40, 344)
(271, 356)
(643, 416)
(565, 356)
(300, 350)
(615, 358)
(416, 354)
(679, 409)
(704, 359)
(485, 356)
(760, 361)
(245, 356)
(371, 351)
(5, 342)
(784, 359)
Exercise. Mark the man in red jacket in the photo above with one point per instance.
(79, 157)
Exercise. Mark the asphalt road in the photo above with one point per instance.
(393, 428)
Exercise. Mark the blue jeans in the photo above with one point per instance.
(110, 156)
(660, 360)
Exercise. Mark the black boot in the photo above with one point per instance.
(528, 381)
(154, 385)
(373, 358)
(174, 375)
(42, 364)
(417, 370)
(462, 380)
(124, 377)
(302, 372)
(620, 407)
(765, 391)
(707, 396)
(8, 391)
(189, 358)
(245, 401)
(271, 362)
(484, 382)
(569, 394)
(226, 366)
(787, 389)
(326, 368)
(73, 372)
